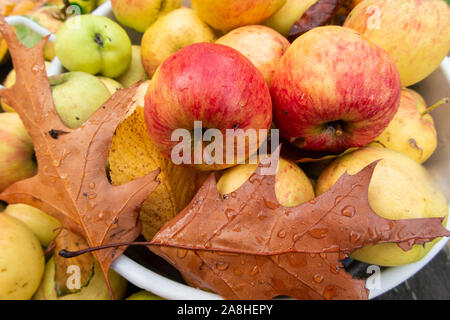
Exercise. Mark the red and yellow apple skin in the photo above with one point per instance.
(414, 32)
(225, 15)
(16, 151)
(206, 82)
(334, 90)
(140, 14)
(262, 45)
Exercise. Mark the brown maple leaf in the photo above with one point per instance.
(247, 246)
(71, 183)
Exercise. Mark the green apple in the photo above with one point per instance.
(140, 14)
(144, 295)
(85, 6)
(400, 189)
(95, 290)
(136, 71)
(93, 44)
(111, 84)
(16, 151)
(169, 33)
(43, 225)
(283, 19)
(77, 95)
(21, 260)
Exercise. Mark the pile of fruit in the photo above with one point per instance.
(92, 158)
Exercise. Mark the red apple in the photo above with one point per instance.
(211, 83)
(334, 90)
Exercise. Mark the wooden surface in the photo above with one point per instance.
(430, 283)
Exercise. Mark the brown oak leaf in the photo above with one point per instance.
(71, 183)
(245, 245)
(319, 14)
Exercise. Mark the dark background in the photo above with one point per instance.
(432, 282)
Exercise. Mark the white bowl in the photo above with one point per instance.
(433, 88)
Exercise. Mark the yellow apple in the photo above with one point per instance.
(21, 260)
(400, 189)
(169, 33)
(414, 32)
(140, 14)
(284, 18)
(144, 295)
(225, 15)
(410, 132)
(95, 290)
(136, 71)
(43, 225)
(262, 45)
(292, 186)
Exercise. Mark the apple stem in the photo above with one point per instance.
(436, 105)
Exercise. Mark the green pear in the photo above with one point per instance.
(77, 95)
(112, 85)
(400, 188)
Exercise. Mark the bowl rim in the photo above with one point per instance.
(169, 289)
